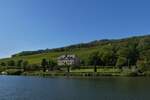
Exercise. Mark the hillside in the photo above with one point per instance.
(81, 50)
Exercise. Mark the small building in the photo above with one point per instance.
(68, 60)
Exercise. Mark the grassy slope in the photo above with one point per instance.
(36, 58)
(82, 52)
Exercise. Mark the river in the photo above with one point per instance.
(105, 88)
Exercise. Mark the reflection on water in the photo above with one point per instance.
(105, 88)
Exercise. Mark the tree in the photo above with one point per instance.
(51, 64)
(19, 63)
(95, 60)
(24, 65)
(143, 63)
(142, 66)
(68, 68)
(82, 62)
(34, 67)
(144, 44)
(11, 63)
(127, 56)
(44, 64)
(3, 64)
(108, 55)
(133, 54)
(121, 61)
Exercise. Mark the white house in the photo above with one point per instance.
(68, 60)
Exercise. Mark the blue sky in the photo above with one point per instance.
(40, 24)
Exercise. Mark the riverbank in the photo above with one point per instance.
(77, 73)
(84, 74)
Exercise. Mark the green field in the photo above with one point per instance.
(100, 70)
(82, 53)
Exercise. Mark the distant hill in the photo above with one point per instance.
(82, 50)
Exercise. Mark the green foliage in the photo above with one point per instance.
(127, 56)
(44, 64)
(3, 64)
(122, 52)
(144, 61)
(25, 65)
(33, 67)
(144, 44)
(108, 55)
(94, 58)
(142, 66)
(51, 64)
(2, 68)
(121, 61)
(14, 71)
(19, 63)
(11, 63)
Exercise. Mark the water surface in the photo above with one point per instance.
(105, 88)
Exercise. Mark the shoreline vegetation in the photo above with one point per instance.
(121, 57)
(78, 73)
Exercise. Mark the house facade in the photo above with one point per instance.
(68, 60)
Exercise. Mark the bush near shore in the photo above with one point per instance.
(89, 72)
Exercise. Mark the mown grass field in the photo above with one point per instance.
(101, 70)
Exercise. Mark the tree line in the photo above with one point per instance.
(126, 54)
(24, 64)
